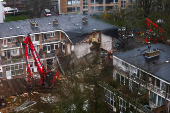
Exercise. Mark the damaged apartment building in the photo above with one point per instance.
(143, 70)
(51, 36)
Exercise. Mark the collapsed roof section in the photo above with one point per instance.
(73, 25)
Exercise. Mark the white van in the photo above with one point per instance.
(47, 12)
(9, 10)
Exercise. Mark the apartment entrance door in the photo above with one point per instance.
(48, 48)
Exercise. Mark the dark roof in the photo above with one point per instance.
(156, 66)
(70, 24)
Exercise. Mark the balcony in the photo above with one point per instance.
(120, 71)
(48, 55)
(13, 60)
(155, 89)
(140, 81)
(16, 44)
(50, 40)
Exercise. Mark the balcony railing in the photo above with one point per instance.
(131, 100)
(155, 89)
(50, 40)
(9, 61)
(140, 81)
(48, 55)
(16, 44)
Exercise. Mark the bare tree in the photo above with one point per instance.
(35, 7)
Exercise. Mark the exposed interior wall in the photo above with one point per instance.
(106, 42)
(82, 49)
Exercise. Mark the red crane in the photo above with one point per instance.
(161, 32)
(43, 73)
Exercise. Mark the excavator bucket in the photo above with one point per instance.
(50, 79)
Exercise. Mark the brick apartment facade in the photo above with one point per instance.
(72, 6)
(52, 36)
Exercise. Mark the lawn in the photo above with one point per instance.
(15, 18)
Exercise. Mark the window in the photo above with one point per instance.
(122, 80)
(50, 35)
(111, 1)
(96, 1)
(123, 4)
(73, 2)
(161, 101)
(10, 40)
(1, 76)
(5, 42)
(7, 54)
(109, 97)
(158, 83)
(73, 9)
(69, 2)
(16, 69)
(14, 52)
(97, 8)
(92, 1)
(32, 38)
(55, 46)
(163, 86)
(92, 8)
(50, 47)
(152, 97)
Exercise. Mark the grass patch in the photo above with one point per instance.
(15, 18)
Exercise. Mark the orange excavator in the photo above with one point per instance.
(47, 78)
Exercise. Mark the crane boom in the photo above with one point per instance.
(160, 30)
(40, 68)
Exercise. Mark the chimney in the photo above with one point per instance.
(55, 21)
(85, 20)
(34, 23)
(151, 53)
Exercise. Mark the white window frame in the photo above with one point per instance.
(14, 52)
(5, 45)
(11, 40)
(16, 69)
(52, 34)
(55, 45)
(32, 38)
(48, 51)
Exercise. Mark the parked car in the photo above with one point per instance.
(128, 35)
(123, 29)
(9, 10)
(47, 12)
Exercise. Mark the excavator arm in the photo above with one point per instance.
(43, 73)
(161, 32)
